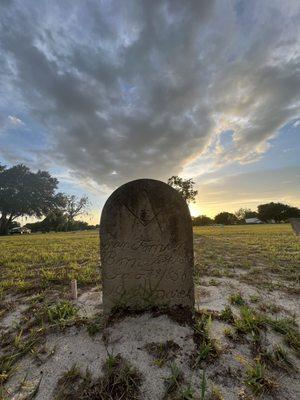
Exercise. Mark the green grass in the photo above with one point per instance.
(277, 357)
(258, 379)
(61, 313)
(249, 322)
(95, 325)
(20, 346)
(174, 381)
(39, 261)
(227, 315)
(163, 352)
(207, 348)
(237, 299)
(39, 319)
(178, 389)
(275, 249)
(288, 328)
(67, 382)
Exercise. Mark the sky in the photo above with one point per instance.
(103, 92)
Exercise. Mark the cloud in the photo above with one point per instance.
(15, 121)
(248, 190)
(11, 122)
(143, 88)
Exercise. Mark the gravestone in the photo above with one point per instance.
(295, 222)
(146, 244)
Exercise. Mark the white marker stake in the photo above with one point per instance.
(74, 289)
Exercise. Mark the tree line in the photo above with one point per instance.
(34, 194)
(267, 213)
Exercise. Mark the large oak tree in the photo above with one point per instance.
(23, 192)
(277, 212)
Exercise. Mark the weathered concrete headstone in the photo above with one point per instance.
(146, 243)
(295, 222)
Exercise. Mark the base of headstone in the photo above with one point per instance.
(181, 315)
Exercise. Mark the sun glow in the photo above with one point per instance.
(195, 209)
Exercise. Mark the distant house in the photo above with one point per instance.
(253, 221)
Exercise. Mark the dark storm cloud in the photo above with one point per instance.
(141, 87)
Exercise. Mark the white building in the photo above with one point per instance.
(253, 221)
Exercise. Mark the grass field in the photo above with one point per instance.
(268, 255)
(246, 276)
(35, 262)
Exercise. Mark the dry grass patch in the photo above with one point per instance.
(163, 352)
(120, 381)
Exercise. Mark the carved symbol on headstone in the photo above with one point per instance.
(143, 212)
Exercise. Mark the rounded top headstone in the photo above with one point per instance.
(146, 243)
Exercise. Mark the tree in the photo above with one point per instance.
(23, 192)
(277, 212)
(291, 212)
(54, 221)
(57, 221)
(226, 218)
(202, 220)
(62, 219)
(79, 226)
(75, 206)
(244, 213)
(184, 186)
